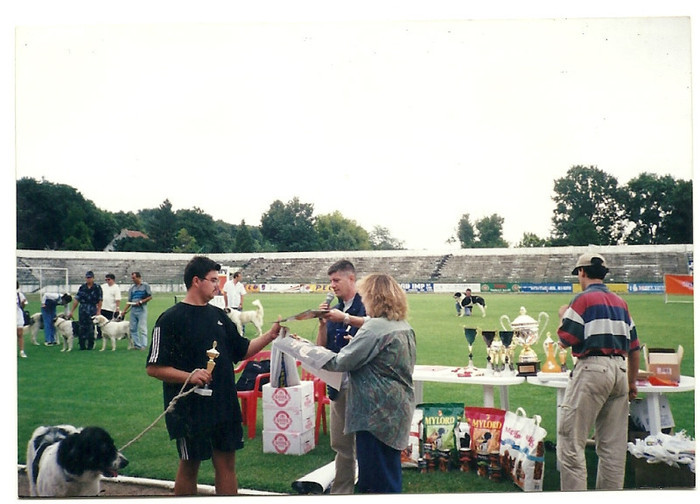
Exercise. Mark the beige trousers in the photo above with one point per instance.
(344, 447)
(596, 397)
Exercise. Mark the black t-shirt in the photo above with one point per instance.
(181, 337)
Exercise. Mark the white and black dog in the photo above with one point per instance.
(65, 461)
(241, 318)
(33, 328)
(465, 301)
(114, 330)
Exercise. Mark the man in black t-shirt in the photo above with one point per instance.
(204, 427)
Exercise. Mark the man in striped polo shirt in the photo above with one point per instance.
(599, 329)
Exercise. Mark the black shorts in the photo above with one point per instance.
(224, 437)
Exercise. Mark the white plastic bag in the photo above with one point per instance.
(283, 369)
(522, 450)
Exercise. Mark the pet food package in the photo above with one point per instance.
(485, 425)
(439, 422)
(464, 451)
(522, 450)
(412, 453)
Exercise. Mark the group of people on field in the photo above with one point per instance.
(368, 338)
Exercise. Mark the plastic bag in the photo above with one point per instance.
(283, 369)
(522, 450)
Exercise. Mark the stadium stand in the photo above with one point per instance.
(640, 263)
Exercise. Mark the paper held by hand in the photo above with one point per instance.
(312, 358)
(306, 315)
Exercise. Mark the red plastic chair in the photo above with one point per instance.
(249, 398)
(320, 398)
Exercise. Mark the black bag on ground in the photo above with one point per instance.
(250, 372)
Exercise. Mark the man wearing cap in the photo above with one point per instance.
(599, 329)
(89, 297)
(139, 295)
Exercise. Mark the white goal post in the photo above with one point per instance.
(42, 279)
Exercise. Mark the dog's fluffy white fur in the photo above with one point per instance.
(241, 318)
(469, 302)
(65, 461)
(64, 327)
(113, 330)
(33, 328)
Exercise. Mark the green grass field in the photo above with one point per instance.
(111, 389)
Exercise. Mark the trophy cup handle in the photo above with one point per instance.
(542, 316)
(506, 318)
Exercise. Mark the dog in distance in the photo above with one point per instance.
(241, 318)
(114, 330)
(466, 301)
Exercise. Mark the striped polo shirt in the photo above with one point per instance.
(598, 322)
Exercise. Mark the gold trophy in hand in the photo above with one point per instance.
(212, 353)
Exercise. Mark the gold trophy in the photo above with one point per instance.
(562, 359)
(212, 353)
(525, 333)
(550, 350)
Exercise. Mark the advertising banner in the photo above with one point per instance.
(546, 287)
(679, 284)
(652, 288)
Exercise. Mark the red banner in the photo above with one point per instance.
(678, 284)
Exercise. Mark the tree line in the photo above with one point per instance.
(58, 217)
(590, 208)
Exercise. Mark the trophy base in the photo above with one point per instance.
(203, 391)
(528, 368)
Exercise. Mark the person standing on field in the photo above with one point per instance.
(601, 333)
(139, 296)
(334, 332)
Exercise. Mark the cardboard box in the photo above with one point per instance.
(288, 443)
(299, 396)
(288, 419)
(665, 363)
(661, 475)
(639, 413)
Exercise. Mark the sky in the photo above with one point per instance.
(405, 118)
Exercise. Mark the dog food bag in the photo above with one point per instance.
(439, 422)
(485, 425)
(412, 453)
(464, 451)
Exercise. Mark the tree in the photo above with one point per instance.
(380, 239)
(161, 226)
(184, 242)
(491, 232)
(201, 227)
(677, 225)
(244, 240)
(335, 232)
(531, 240)
(290, 227)
(645, 202)
(465, 232)
(587, 208)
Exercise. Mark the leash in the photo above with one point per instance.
(170, 407)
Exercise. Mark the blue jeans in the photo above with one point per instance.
(138, 326)
(48, 313)
(379, 465)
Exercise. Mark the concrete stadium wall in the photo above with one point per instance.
(640, 263)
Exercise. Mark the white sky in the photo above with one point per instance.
(401, 117)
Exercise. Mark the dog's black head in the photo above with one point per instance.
(92, 449)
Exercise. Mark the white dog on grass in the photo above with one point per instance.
(114, 330)
(241, 318)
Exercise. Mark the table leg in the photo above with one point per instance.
(560, 399)
(418, 391)
(654, 413)
(504, 398)
(488, 396)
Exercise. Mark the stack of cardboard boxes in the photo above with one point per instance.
(288, 419)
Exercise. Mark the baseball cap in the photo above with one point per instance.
(89, 274)
(587, 260)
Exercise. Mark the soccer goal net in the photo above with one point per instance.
(678, 288)
(42, 279)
